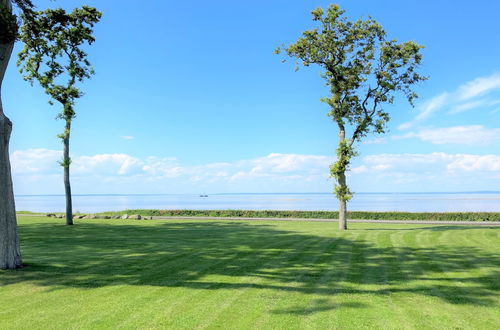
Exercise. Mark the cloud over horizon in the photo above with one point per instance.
(127, 174)
(36, 171)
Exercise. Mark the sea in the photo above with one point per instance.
(405, 202)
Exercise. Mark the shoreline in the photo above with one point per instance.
(418, 217)
(386, 221)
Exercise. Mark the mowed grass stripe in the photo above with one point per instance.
(185, 309)
(373, 294)
(105, 294)
(293, 290)
(211, 286)
(430, 291)
(141, 304)
(397, 279)
(402, 269)
(464, 281)
(237, 274)
(225, 300)
(325, 285)
(133, 308)
(462, 285)
(366, 296)
(420, 308)
(467, 268)
(437, 291)
(319, 311)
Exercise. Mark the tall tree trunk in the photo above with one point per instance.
(343, 185)
(66, 164)
(10, 251)
(342, 206)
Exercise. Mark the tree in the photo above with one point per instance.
(10, 251)
(53, 55)
(363, 71)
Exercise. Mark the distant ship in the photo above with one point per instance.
(203, 195)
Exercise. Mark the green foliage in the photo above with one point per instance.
(9, 22)
(345, 152)
(53, 41)
(342, 192)
(364, 215)
(66, 162)
(363, 70)
(9, 26)
(53, 50)
(25, 6)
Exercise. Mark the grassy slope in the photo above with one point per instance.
(236, 274)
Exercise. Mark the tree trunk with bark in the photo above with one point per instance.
(343, 185)
(10, 251)
(342, 206)
(66, 164)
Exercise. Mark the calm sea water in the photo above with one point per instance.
(410, 202)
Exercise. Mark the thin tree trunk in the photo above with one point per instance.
(66, 164)
(342, 206)
(10, 251)
(343, 185)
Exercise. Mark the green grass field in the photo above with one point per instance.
(258, 275)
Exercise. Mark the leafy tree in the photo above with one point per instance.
(53, 55)
(363, 70)
(10, 252)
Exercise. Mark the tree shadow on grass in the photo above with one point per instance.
(441, 227)
(202, 255)
(317, 305)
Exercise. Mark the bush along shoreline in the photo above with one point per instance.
(361, 215)
(144, 214)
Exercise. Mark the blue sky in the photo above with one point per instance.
(188, 97)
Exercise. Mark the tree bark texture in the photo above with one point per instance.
(10, 251)
(66, 164)
(342, 183)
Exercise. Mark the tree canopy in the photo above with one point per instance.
(53, 55)
(363, 71)
(52, 49)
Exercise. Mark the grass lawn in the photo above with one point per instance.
(259, 275)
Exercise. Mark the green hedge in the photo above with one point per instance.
(447, 216)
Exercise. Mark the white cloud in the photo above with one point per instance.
(473, 104)
(437, 162)
(162, 167)
(377, 140)
(33, 161)
(467, 135)
(470, 163)
(426, 109)
(405, 162)
(427, 172)
(464, 98)
(36, 172)
(106, 164)
(359, 169)
(155, 174)
(432, 105)
(478, 86)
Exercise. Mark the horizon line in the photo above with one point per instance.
(273, 193)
